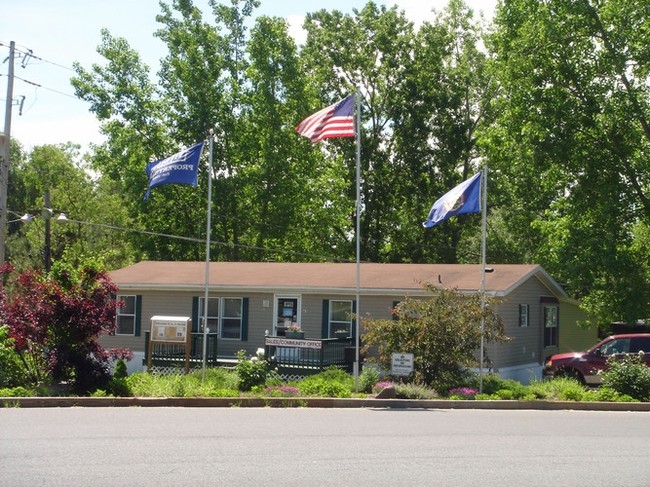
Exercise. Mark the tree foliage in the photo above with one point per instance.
(554, 97)
(443, 333)
(570, 145)
(90, 205)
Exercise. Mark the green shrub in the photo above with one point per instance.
(628, 376)
(118, 386)
(252, 372)
(331, 383)
(505, 388)
(223, 393)
(414, 391)
(492, 383)
(10, 371)
(120, 369)
(19, 391)
(572, 391)
(607, 395)
(368, 378)
(280, 391)
(219, 378)
(318, 386)
(505, 394)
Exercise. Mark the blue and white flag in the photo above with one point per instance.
(464, 198)
(181, 168)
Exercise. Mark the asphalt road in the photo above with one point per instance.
(303, 447)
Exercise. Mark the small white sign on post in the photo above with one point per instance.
(402, 364)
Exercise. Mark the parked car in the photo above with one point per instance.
(585, 366)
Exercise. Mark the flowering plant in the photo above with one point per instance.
(462, 393)
(294, 327)
(281, 391)
(380, 386)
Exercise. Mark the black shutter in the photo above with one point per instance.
(326, 319)
(138, 314)
(195, 314)
(244, 320)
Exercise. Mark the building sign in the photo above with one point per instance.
(402, 363)
(169, 329)
(291, 342)
(169, 333)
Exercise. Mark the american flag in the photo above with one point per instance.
(334, 121)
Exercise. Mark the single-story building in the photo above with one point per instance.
(249, 301)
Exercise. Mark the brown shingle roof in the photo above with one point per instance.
(279, 276)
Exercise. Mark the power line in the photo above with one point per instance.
(28, 53)
(44, 87)
(200, 240)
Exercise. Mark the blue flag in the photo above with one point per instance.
(181, 168)
(464, 198)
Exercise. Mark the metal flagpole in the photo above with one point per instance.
(357, 97)
(207, 257)
(483, 263)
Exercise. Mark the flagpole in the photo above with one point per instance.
(356, 366)
(207, 258)
(483, 264)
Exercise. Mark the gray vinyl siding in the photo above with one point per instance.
(574, 338)
(526, 343)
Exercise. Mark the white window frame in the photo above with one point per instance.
(211, 318)
(331, 323)
(216, 322)
(120, 314)
(223, 318)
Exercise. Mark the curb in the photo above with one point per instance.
(310, 402)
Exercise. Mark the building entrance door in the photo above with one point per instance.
(287, 311)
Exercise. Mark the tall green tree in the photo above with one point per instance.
(424, 95)
(62, 172)
(273, 197)
(366, 52)
(570, 147)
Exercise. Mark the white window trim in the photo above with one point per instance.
(219, 318)
(119, 313)
(210, 317)
(222, 308)
(329, 317)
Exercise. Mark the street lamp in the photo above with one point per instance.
(46, 213)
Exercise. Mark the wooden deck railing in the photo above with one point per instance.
(173, 355)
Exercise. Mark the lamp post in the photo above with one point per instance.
(46, 213)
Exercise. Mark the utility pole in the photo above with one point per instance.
(4, 152)
(47, 215)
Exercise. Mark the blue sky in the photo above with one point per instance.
(61, 32)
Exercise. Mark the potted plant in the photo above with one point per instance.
(294, 331)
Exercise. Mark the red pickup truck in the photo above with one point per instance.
(584, 366)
